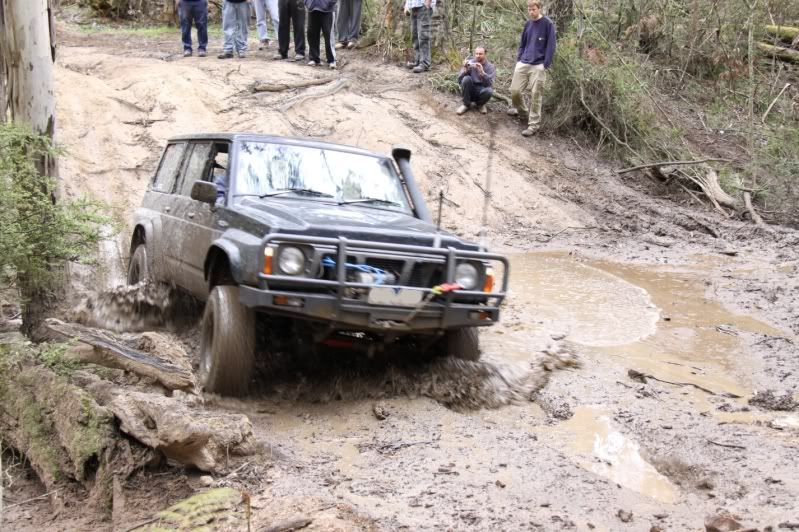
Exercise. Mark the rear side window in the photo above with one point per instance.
(168, 169)
(196, 169)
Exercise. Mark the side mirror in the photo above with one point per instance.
(204, 191)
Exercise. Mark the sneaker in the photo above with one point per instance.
(340, 45)
(529, 132)
(418, 69)
(186, 53)
(299, 57)
(201, 53)
(331, 66)
(351, 45)
(279, 57)
(482, 109)
(264, 44)
(313, 63)
(225, 55)
(462, 109)
(512, 111)
(242, 55)
(411, 65)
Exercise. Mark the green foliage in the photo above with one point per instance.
(53, 357)
(39, 235)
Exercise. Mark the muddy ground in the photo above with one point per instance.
(677, 315)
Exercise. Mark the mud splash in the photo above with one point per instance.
(130, 308)
(457, 384)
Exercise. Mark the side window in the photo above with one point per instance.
(196, 168)
(168, 169)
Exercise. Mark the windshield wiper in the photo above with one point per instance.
(304, 191)
(371, 200)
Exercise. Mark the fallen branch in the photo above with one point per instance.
(749, 207)
(109, 352)
(567, 229)
(728, 445)
(31, 499)
(670, 163)
(331, 91)
(502, 98)
(765, 115)
(786, 54)
(393, 447)
(278, 87)
(642, 377)
(785, 33)
(288, 525)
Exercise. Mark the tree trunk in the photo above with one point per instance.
(27, 54)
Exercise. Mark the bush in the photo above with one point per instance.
(38, 234)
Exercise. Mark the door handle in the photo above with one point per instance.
(190, 215)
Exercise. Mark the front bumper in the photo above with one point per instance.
(333, 302)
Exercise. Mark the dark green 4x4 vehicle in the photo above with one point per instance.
(313, 243)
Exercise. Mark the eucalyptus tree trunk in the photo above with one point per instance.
(27, 54)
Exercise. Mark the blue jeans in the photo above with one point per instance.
(194, 11)
(473, 93)
(235, 17)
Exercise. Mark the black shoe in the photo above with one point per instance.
(225, 55)
(186, 53)
(201, 53)
(411, 65)
(420, 68)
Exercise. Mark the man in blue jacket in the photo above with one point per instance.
(536, 51)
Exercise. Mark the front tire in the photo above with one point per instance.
(227, 349)
(139, 266)
(462, 343)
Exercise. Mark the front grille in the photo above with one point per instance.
(389, 265)
(426, 275)
(419, 274)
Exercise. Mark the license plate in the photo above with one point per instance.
(395, 297)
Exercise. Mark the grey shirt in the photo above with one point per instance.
(486, 80)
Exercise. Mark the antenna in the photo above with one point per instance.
(440, 208)
(492, 128)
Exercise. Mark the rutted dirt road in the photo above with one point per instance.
(677, 317)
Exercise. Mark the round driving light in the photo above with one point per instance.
(291, 261)
(466, 276)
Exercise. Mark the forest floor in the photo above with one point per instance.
(614, 268)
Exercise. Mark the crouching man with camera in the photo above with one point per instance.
(476, 79)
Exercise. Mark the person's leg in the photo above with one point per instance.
(229, 26)
(274, 14)
(537, 79)
(298, 13)
(242, 21)
(425, 36)
(342, 20)
(260, 19)
(518, 85)
(314, 25)
(201, 21)
(354, 22)
(185, 25)
(483, 95)
(329, 33)
(284, 26)
(415, 25)
(467, 87)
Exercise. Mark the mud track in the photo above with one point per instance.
(706, 308)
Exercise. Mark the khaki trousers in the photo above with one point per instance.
(532, 78)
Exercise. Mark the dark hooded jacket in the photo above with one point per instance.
(326, 6)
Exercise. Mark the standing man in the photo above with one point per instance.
(193, 11)
(421, 12)
(292, 15)
(261, 8)
(320, 17)
(235, 17)
(349, 23)
(476, 79)
(536, 50)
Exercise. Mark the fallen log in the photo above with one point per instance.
(786, 54)
(200, 439)
(153, 357)
(670, 163)
(784, 33)
(279, 87)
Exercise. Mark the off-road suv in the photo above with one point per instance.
(324, 244)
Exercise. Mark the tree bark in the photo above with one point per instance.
(27, 54)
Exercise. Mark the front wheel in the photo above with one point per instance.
(227, 349)
(462, 343)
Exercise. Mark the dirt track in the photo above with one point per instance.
(633, 283)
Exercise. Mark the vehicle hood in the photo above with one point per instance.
(358, 222)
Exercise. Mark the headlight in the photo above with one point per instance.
(291, 261)
(466, 275)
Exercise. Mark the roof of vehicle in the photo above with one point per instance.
(275, 139)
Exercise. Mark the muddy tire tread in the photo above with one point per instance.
(463, 344)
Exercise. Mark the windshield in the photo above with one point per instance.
(284, 170)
